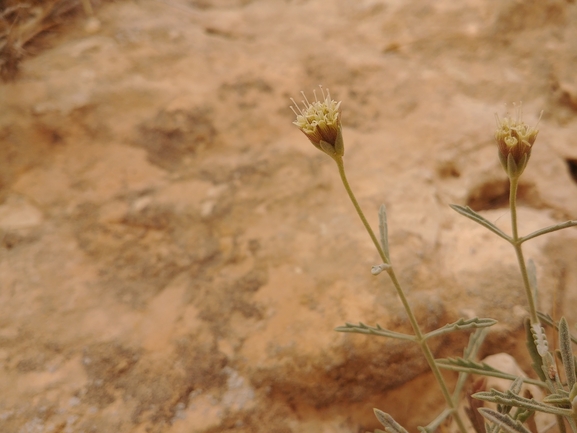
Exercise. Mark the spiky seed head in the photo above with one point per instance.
(515, 141)
(320, 121)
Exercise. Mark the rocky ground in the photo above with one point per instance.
(175, 254)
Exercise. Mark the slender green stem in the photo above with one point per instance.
(516, 242)
(341, 166)
(412, 319)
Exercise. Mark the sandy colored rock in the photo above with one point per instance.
(174, 254)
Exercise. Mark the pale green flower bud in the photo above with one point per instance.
(320, 121)
(515, 140)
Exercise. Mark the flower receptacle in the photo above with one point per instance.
(515, 141)
(320, 121)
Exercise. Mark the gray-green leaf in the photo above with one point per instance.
(361, 328)
(510, 399)
(391, 426)
(550, 229)
(383, 228)
(504, 422)
(473, 323)
(472, 215)
(480, 368)
(566, 353)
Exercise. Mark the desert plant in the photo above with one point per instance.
(320, 121)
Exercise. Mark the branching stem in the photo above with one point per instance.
(412, 319)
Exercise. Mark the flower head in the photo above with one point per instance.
(320, 121)
(515, 141)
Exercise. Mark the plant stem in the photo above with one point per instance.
(412, 319)
(519, 250)
(517, 244)
(341, 166)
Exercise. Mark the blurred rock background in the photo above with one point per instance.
(174, 254)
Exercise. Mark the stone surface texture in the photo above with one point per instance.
(175, 254)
